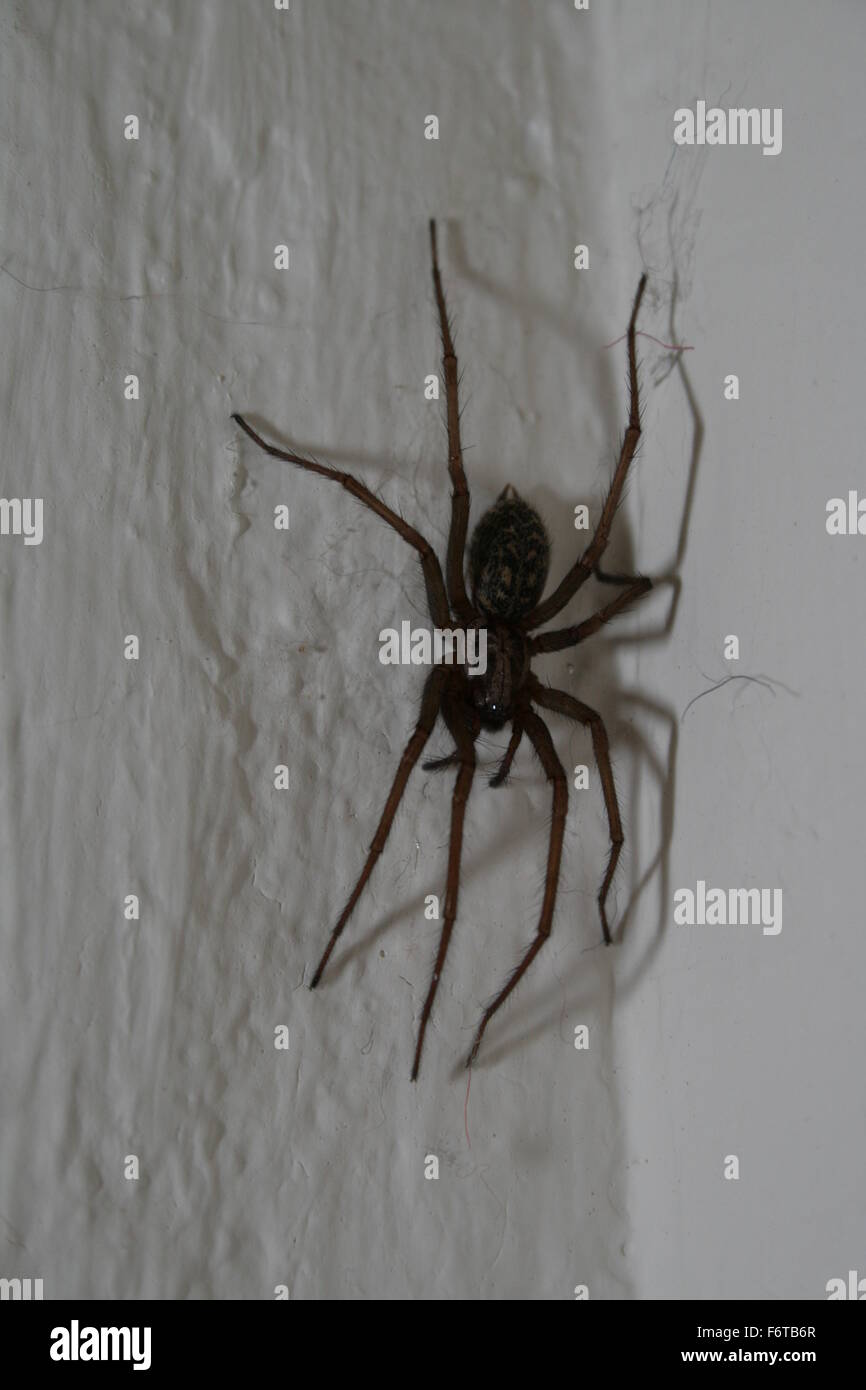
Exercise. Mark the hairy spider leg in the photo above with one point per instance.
(588, 561)
(430, 703)
(561, 637)
(539, 735)
(465, 739)
(513, 744)
(436, 598)
(562, 703)
(454, 565)
(435, 684)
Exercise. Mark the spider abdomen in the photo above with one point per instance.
(509, 557)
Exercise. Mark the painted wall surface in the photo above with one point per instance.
(156, 1139)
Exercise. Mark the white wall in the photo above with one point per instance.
(306, 1168)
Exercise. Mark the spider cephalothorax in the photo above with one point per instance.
(509, 557)
(494, 694)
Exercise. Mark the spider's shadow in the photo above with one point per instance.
(598, 678)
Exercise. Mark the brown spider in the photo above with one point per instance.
(508, 561)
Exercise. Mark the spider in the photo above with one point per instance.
(509, 556)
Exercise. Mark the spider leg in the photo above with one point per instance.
(540, 736)
(460, 491)
(505, 766)
(440, 764)
(561, 637)
(430, 703)
(604, 577)
(562, 703)
(584, 567)
(436, 598)
(466, 758)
